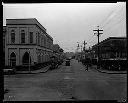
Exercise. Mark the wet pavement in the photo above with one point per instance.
(66, 83)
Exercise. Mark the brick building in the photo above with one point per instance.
(26, 41)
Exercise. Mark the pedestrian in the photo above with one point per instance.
(87, 66)
(87, 61)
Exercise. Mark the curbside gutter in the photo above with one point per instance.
(110, 72)
(42, 70)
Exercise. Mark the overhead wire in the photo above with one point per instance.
(117, 24)
(115, 17)
(112, 15)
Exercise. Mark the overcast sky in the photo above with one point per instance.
(69, 23)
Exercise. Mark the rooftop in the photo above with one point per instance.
(26, 21)
(110, 38)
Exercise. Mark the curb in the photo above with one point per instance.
(107, 72)
(110, 72)
(32, 72)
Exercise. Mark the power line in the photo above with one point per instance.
(110, 15)
(90, 38)
(116, 24)
(118, 19)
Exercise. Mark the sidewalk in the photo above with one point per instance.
(42, 70)
(108, 71)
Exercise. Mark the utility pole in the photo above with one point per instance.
(78, 46)
(77, 49)
(84, 45)
(84, 48)
(81, 51)
(98, 34)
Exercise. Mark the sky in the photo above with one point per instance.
(72, 23)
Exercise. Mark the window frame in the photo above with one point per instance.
(30, 37)
(22, 32)
(12, 36)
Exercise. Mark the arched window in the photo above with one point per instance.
(26, 59)
(12, 59)
(22, 36)
(12, 36)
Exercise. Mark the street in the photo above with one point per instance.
(66, 83)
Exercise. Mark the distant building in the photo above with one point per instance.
(57, 51)
(26, 40)
(69, 54)
(112, 47)
(56, 48)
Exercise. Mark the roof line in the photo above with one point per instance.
(109, 39)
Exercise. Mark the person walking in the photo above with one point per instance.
(87, 67)
(87, 61)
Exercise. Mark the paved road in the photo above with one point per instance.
(66, 83)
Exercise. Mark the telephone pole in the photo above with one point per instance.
(98, 34)
(77, 50)
(84, 45)
(77, 46)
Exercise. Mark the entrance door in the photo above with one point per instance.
(13, 59)
(26, 59)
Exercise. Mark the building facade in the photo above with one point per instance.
(26, 41)
(4, 34)
(112, 47)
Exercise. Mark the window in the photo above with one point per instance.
(12, 36)
(31, 37)
(22, 36)
(44, 42)
(12, 59)
(41, 41)
(38, 38)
